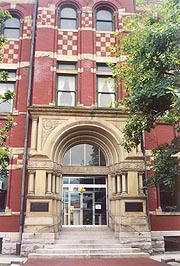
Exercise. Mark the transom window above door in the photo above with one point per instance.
(84, 155)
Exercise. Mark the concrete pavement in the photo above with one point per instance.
(155, 260)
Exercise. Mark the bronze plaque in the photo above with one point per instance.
(133, 206)
(39, 207)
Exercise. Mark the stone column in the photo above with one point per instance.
(53, 183)
(140, 182)
(124, 183)
(34, 132)
(31, 183)
(118, 184)
(113, 184)
(57, 184)
(60, 186)
(49, 181)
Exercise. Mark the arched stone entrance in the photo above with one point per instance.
(54, 131)
(46, 171)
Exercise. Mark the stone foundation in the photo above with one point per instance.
(140, 240)
(9, 243)
(31, 242)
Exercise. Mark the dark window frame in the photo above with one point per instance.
(13, 28)
(66, 18)
(100, 74)
(12, 81)
(101, 21)
(62, 71)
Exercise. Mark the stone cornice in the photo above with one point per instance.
(76, 111)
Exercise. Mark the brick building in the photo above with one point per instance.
(76, 172)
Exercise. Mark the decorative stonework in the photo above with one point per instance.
(10, 52)
(137, 166)
(27, 28)
(87, 18)
(46, 17)
(47, 127)
(104, 41)
(67, 43)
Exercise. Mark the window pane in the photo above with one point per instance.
(66, 83)
(92, 155)
(6, 106)
(105, 85)
(11, 33)
(77, 155)
(104, 25)
(68, 12)
(104, 100)
(102, 159)
(103, 68)
(67, 66)
(68, 24)
(66, 159)
(12, 23)
(66, 98)
(104, 15)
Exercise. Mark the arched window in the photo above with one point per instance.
(83, 155)
(68, 18)
(104, 20)
(11, 29)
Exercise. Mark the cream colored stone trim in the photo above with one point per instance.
(87, 9)
(8, 66)
(23, 64)
(66, 58)
(13, 6)
(50, 7)
(87, 56)
(39, 26)
(45, 54)
(86, 28)
(102, 59)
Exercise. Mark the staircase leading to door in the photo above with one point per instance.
(87, 242)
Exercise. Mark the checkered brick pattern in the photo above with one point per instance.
(103, 43)
(67, 43)
(10, 52)
(46, 17)
(27, 28)
(87, 20)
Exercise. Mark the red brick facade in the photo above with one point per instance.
(86, 47)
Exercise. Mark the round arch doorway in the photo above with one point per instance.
(84, 196)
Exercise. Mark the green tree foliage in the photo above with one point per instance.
(7, 122)
(150, 75)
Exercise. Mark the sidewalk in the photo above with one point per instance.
(12, 259)
(152, 261)
(167, 256)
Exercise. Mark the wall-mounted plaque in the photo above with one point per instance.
(39, 207)
(133, 206)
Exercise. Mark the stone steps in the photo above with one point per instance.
(87, 242)
(87, 255)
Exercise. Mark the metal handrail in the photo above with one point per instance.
(121, 224)
(47, 226)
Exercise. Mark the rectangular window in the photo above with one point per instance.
(8, 85)
(66, 84)
(106, 92)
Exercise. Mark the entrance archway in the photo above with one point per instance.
(84, 196)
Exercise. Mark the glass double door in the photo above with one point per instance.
(81, 208)
(84, 204)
